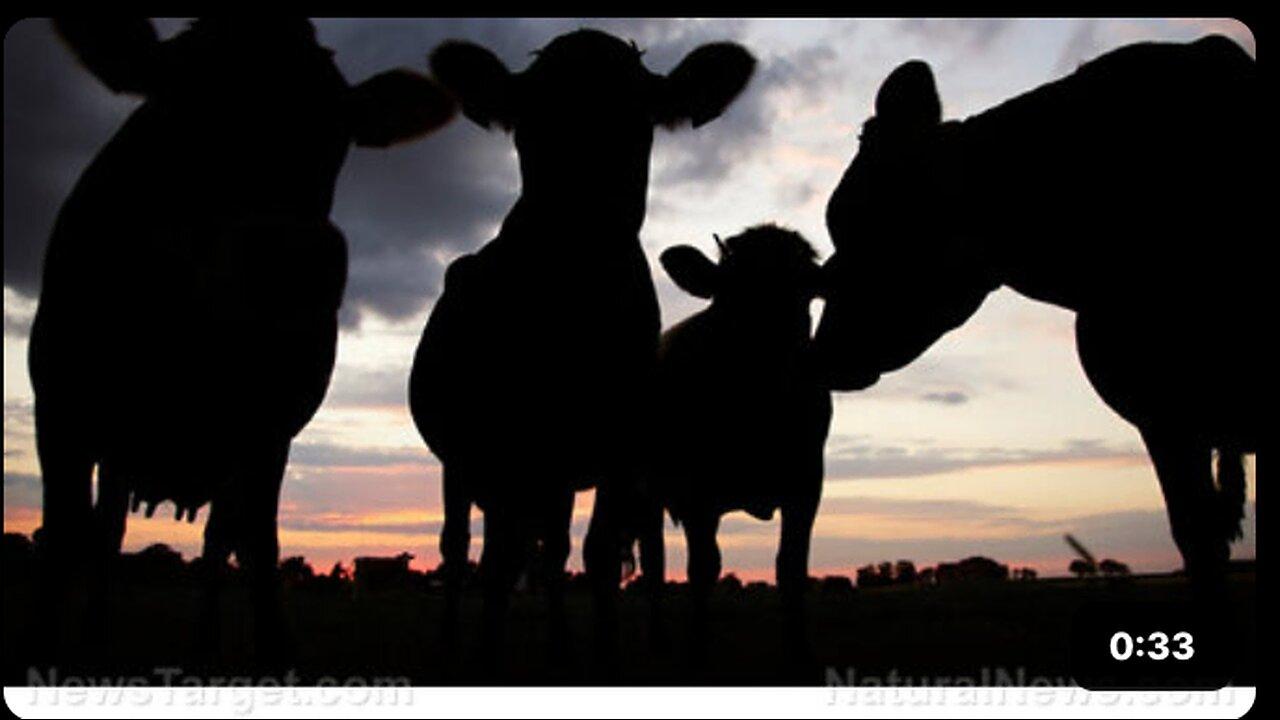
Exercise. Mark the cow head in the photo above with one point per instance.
(260, 89)
(765, 281)
(899, 278)
(583, 111)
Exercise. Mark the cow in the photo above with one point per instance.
(742, 418)
(532, 374)
(1123, 192)
(188, 314)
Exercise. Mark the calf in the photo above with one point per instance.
(743, 419)
(532, 371)
(188, 316)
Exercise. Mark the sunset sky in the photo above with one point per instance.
(992, 443)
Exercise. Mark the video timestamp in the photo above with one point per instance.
(1125, 646)
(1149, 646)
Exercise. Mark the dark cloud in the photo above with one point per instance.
(19, 427)
(362, 387)
(919, 508)
(16, 325)
(17, 410)
(946, 379)
(19, 312)
(971, 34)
(855, 458)
(330, 455)
(405, 211)
(1085, 43)
(950, 397)
(987, 515)
(22, 490)
(331, 525)
(798, 193)
(55, 118)
(705, 156)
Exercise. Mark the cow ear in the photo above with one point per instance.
(122, 54)
(478, 79)
(909, 97)
(704, 84)
(396, 106)
(690, 270)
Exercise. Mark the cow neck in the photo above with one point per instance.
(985, 168)
(541, 229)
(786, 335)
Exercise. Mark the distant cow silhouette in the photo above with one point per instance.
(188, 316)
(532, 370)
(742, 417)
(1124, 192)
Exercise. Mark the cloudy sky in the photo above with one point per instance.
(992, 443)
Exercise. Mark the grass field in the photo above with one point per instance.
(968, 633)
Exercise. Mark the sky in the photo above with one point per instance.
(991, 443)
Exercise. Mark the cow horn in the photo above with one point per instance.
(724, 250)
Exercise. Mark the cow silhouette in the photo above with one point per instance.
(742, 417)
(1124, 192)
(187, 320)
(531, 377)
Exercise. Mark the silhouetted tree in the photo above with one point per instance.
(927, 577)
(382, 573)
(1113, 568)
(870, 576)
(730, 583)
(836, 585)
(904, 573)
(155, 562)
(19, 555)
(975, 568)
(339, 572)
(1082, 568)
(295, 571)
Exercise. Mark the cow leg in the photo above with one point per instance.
(455, 544)
(792, 569)
(66, 469)
(704, 570)
(602, 556)
(218, 539)
(653, 567)
(557, 520)
(110, 512)
(259, 549)
(499, 567)
(1183, 466)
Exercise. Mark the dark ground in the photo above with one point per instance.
(952, 632)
